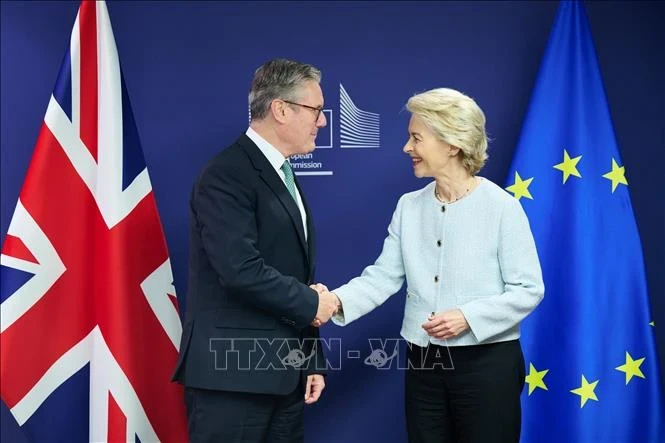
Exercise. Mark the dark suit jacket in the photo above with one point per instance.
(249, 309)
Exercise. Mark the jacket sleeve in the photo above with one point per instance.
(313, 345)
(523, 281)
(223, 208)
(377, 282)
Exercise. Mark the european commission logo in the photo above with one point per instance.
(358, 129)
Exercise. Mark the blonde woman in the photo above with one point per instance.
(467, 253)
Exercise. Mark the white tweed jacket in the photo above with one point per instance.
(477, 254)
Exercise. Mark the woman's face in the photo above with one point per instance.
(430, 156)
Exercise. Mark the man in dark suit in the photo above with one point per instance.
(249, 358)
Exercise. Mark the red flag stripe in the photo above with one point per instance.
(117, 423)
(89, 101)
(14, 247)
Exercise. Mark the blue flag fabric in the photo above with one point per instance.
(592, 369)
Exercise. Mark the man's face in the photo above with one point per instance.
(306, 119)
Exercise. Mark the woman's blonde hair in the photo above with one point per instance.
(455, 119)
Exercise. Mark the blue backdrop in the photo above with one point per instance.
(187, 67)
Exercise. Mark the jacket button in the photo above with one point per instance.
(443, 209)
(436, 279)
(438, 243)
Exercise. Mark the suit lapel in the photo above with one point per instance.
(275, 183)
(311, 243)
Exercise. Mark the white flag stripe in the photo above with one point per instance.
(107, 377)
(49, 269)
(157, 287)
(67, 365)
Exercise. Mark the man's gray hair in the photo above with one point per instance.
(278, 78)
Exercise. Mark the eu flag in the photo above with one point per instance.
(592, 370)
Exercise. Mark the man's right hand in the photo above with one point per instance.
(328, 304)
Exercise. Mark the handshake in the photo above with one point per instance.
(329, 304)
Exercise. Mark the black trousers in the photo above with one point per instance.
(230, 417)
(465, 394)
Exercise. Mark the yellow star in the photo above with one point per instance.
(535, 378)
(585, 391)
(617, 175)
(653, 323)
(568, 166)
(521, 187)
(631, 367)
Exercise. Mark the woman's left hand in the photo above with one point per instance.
(446, 324)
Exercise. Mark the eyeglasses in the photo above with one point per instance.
(316, 109)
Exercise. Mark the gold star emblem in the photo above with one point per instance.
(521, 187)
(653, 323)
(631, 367)
(535, 378)
(586, 391)
(568, 166)
(617, 175)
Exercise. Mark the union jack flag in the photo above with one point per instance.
(89, 324)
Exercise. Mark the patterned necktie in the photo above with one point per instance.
(288, 179)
